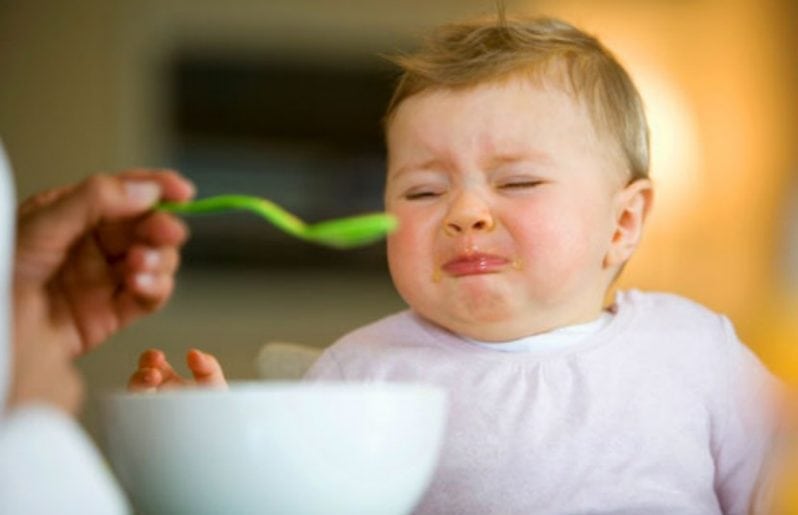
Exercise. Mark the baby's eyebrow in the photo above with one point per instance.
(502, 159)
(429, 164)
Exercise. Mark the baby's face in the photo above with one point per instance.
(507, 202)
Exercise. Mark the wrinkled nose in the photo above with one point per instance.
(468, 213)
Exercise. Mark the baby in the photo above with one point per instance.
(518, 171)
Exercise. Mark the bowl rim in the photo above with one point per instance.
(281, 388)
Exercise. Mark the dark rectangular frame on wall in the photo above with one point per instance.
(301, 132)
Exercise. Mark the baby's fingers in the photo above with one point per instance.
(154, 373)
(206, 369)
(145, 380)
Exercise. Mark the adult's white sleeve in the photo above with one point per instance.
(49, 466)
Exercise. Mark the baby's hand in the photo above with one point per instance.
(154, 372)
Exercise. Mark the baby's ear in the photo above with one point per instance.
(632, 205)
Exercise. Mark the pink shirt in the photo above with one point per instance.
(662, 411)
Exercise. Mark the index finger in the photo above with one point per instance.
(57, 222)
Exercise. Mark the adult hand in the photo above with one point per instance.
(154, 372)
(90, 259)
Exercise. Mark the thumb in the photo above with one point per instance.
(205, 369)
(64, 220)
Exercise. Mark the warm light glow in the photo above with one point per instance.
(676, 161)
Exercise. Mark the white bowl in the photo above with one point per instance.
(277, 448)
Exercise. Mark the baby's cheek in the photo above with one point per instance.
(414, 234)
(556, 250)
(400, 243)
(405, 255)
(412, 258)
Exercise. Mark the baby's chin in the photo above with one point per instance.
(486, 331)
(488, 320)
(493, 315)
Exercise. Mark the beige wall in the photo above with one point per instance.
(57, 97)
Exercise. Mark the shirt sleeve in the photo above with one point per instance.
(48, 465)
(746, 426)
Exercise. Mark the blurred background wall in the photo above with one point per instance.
(247, 95)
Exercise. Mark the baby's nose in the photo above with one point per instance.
(468, 213)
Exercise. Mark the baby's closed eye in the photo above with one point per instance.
(423, 193)
(518, 183)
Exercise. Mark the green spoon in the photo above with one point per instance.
(342, 233)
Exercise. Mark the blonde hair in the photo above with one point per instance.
(461, 55)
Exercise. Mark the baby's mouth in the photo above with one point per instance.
(475, 264)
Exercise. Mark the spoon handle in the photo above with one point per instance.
(347, 232)
(222, 203)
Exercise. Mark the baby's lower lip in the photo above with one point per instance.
(476, 264)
